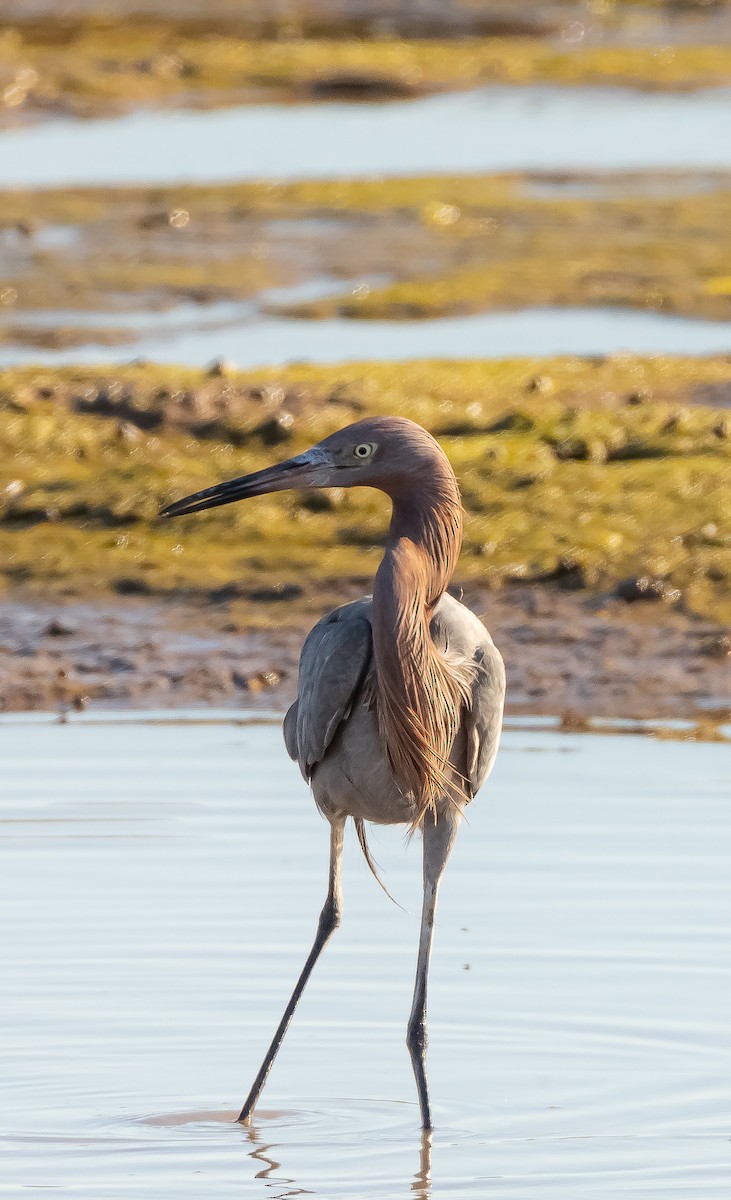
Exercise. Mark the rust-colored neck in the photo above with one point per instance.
(427, 523)
(419, 695)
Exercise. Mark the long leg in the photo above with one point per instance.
(439, 835)
(329, 921)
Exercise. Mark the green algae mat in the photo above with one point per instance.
(94, 67)
(657, 241)
(578, 472)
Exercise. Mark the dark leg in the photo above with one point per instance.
(438, 838)
(329, 921)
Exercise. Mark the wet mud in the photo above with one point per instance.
(567, 655)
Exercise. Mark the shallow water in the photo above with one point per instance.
(160, 885)
(257, 340)
(498, 128)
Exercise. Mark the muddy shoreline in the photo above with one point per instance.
(111, 266)
(89, 65)
(568, 655)
(575, 474)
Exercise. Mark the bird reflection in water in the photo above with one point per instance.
(261, 1153)
(420, 1186)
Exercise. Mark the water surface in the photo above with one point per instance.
(160, 885)
(258, 340)
(493, 129)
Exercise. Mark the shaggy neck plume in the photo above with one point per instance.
(420, 693)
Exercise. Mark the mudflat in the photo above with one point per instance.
(568, 655)
(87, 64)
(101, 265)
(596, 538)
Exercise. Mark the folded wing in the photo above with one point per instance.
(483, 720)
(333, 665)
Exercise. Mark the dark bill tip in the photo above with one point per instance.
(272, 479)
(213, 497)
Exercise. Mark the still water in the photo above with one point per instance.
(261, 340)
(493, 129)
(160, 884)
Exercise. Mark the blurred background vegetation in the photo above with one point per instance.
(601, 472)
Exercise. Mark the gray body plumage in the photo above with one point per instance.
(331, 730)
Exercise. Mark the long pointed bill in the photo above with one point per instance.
(312, 469)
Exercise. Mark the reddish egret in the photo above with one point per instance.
(400, 695)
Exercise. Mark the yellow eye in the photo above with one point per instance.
(364, 450)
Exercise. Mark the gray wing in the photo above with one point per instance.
(333, 664)
(483, 720)
(463, 634)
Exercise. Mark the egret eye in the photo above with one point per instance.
(364, 450)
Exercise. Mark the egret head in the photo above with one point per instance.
(390, 453)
